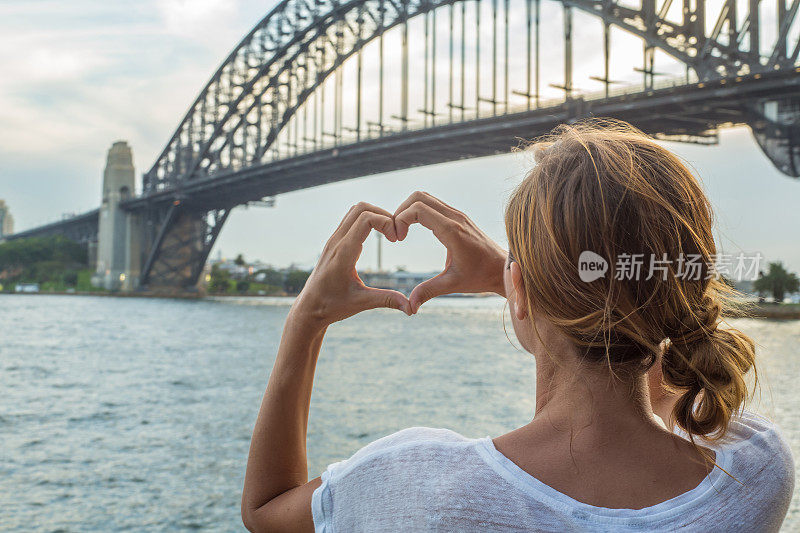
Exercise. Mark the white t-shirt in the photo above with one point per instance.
(424, 479)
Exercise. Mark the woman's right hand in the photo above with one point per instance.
(474, 261)
(334, 291)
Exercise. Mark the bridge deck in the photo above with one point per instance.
(78, 228)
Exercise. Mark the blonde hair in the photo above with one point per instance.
(605, 187)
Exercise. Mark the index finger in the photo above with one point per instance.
(419, 212)
(363, 225)
(432, 202)
(350, 218)
(429, 199)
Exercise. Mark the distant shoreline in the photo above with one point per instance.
(194, 296)
(764, 310)
(769, 310)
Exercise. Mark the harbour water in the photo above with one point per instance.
(133, 414)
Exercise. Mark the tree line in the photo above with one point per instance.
(266, 281)
(776, 282)
(55, 262)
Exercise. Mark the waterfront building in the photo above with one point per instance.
(6, 220)
(401, 280)
(27, 287)
(230, 266)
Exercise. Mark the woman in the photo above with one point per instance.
(639, 386)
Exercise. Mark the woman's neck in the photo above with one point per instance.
(580, 395)
(595, 438)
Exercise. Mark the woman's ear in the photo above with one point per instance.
(520, 301)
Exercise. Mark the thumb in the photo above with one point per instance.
(372, 298)
(429, 289)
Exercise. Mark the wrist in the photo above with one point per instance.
(500, 265)
(297, 355)
(307, 317)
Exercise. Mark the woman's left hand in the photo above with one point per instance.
(334, 291)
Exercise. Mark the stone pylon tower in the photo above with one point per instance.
(115, 254)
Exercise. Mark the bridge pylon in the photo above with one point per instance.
(119, 233)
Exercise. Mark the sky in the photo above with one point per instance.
(79, 75)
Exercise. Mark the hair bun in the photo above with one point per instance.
(698, 327)
(712, 361)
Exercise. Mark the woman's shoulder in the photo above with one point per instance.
(402, 460)
(417, 435)
(759, 450)
(411, 446)
(407, 474)
(750, 429)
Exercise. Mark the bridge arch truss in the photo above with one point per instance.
(255, 108)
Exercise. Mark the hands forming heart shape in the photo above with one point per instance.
(334, 290)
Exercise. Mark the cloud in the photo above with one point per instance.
(48, 64)
(200, 19)
(69, 90)
(78, 77)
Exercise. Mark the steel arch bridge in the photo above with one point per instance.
(326, 90)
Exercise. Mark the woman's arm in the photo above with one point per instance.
(276, 495)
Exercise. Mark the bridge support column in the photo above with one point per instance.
(134, 251)
(119, 233)
(181, 239)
